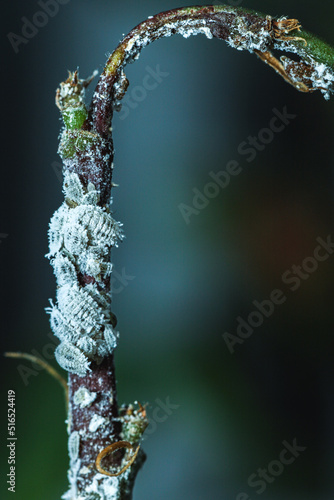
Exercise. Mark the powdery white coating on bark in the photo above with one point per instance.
(83, 397)
(244, 38)
(96, 422)
(185, 28)
(81, 235)
(73, 450)
(102, 488)
(73, 471)
(321, 76)
(84, 470)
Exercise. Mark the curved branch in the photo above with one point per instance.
(242, 29)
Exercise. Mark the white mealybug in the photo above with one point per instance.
(75, 236)
(73, 445)
(72, 187)
(75, 193)
(92, 197)
(103, 300)
(93, 222)
(56, 229)
(110, 338)
(96, 422)
(64, 269)
(81, 235)
(92, 262)
(80, 309)
(87, 345)
(71, 358)
(83, 397)
(59, 326)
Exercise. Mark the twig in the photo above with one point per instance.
(46, 366)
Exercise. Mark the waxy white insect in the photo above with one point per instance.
(73, 445)
(81, 234)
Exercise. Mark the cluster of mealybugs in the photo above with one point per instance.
(81, 234)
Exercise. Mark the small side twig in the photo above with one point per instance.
(43, 364)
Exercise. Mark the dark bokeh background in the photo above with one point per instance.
(187, 283)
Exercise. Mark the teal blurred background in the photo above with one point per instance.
(180, 286)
